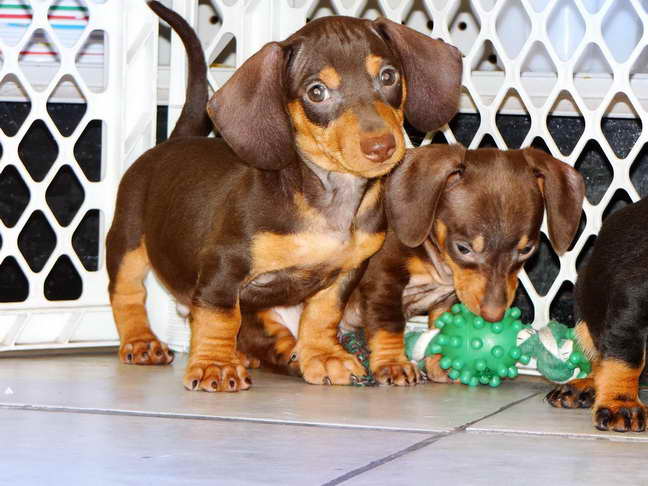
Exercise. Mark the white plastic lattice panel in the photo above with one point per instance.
(59, 174)
(568, 77)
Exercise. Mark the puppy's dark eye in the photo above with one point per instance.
(317, 93)
(388, 76)
(463, 249)
(526, 250)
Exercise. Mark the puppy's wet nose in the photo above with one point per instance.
(378, 149)
(492, 313)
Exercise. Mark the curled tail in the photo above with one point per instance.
(193, 120)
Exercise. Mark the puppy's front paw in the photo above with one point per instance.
(399, 372)
(145, 351)
(620, 416)
(577, 393)
(216, 376)
(330, 367)
(434, 372)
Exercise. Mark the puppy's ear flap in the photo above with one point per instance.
(432, 74)
(249, 111)
(563, 190)
(413, 190)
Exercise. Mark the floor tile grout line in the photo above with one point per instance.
(213, 418)
(422, 444)
(567, 435)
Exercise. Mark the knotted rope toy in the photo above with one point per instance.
(476, 351)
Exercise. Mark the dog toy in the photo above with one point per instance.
(476, 351)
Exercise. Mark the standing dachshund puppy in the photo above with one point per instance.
(462, 224)
(612, 301)
(287, 209)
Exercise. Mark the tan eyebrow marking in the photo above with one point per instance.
(330, 77)
(373, 63)
(478, 244)
(523, 242)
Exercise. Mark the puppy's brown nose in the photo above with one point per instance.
(378, 149)
(492, 313)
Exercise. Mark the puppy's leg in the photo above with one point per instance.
(386, 328)
(580, 392)
(214, 364)
(433, 369)
(266, 339)
(322, 359)
(138, 343)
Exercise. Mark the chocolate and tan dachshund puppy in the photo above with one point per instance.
(462, 223)
(287, 208)
(612, 303)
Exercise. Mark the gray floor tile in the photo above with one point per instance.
(535, 416)
(490, 459)
(52, 448)
(100, 382)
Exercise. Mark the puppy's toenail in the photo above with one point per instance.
(158, 353)
(214, 385)
(326, 380)
(354, 379)
(129, 357)
(194, 384)
(248, 380)
(232, 384)
(145, 355)
(293, 357)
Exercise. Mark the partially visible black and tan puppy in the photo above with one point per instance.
(612, 303)
(462, 223)
(286, 209)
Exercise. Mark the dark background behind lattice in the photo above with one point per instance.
(65, 193)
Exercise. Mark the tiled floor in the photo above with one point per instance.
(90, 420)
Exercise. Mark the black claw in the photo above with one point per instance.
(158, 353)
(354, 379)
(214, 385)
(232, 383)
(603, 417)
(248, 380)
(293, 357)
(326, 381)
(145, 355)
(194, 384)
(129, 357)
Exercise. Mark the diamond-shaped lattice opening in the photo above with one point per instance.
(91, 55)
(63, 282)
(540, 144)
(566, 28)
(619, 200)
(14, 196)
(621, 29)
(513, 120)
(17, 18)
(579, 231)
(14, 286)
(592, 76)
(85, 240)
(538, 74)
(621, 133)
(487, 141)
(69, 19)
(88, 150)
(513, 27)
(419, 18)
(585, 252)
(596, 170)
(523, 302)
(372, 10)
(639, 172)
(37, 241)
(465, 125)
(38, 150)
(13, 113)
(486, 63)
(66, 116)
(464, 27)
(543, 267)
(39, 55)
(562, 305)
(565, 123)
(64, 195)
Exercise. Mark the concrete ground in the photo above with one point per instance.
(91, 420)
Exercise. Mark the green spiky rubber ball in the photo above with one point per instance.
(476, 351)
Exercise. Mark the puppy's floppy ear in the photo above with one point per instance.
(413, 190)
(563, 190)
(432, 74)
(249, 111)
